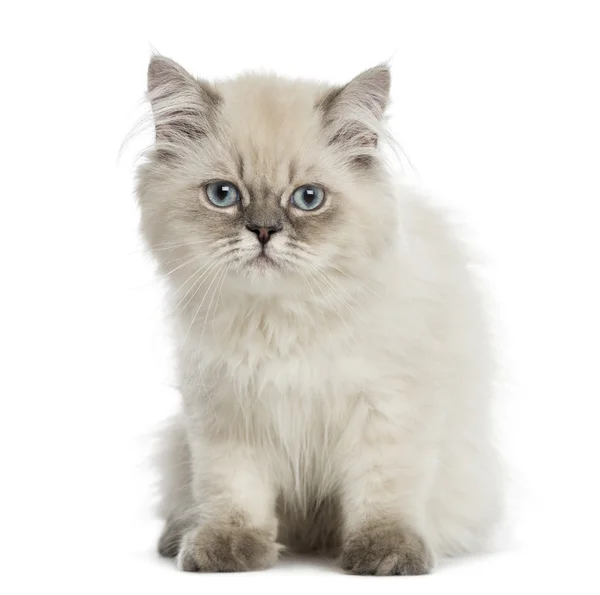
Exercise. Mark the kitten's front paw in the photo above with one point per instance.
(386, 550)
(227, 548)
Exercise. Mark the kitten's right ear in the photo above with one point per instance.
(183, 106)
(353, 113)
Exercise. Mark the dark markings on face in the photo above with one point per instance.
(186, 124)
(364, 162)
(352, 134)
(182, 128)
(315, 227)
(165, 155)
(263, 209)
(355, 136)
(240, 165)
(292, 171)
(194, 210)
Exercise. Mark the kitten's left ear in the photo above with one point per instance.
(183, 106)
(353, 112)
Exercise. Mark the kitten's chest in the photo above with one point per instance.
(297, 405)
(301, 373)
(269, 355)
(290, 379)
(290, 390)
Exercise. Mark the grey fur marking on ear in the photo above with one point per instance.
(183, 106)
(354, 111)
(164, 71)
(369, 91)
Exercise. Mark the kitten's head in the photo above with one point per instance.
(265, 178)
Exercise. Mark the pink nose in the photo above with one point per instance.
(263, 233)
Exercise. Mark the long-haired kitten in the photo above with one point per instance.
(333, 357)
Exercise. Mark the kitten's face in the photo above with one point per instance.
(263, 179)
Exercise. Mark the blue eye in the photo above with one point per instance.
(222, 194)
(308, 197)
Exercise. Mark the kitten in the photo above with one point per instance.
(333, 356)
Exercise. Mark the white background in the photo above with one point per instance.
(497, 105)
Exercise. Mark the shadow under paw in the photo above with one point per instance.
(227, 549)
(384, 550)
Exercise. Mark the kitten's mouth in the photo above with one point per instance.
(264, 262)
(264, 259)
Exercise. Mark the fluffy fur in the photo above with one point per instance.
(336, 382)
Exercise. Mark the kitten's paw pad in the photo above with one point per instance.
(227, 549)
(386, 551)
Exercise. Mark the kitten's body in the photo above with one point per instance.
(340, 404)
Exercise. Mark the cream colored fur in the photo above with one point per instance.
(348, 387)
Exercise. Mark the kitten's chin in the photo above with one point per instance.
(263, 265)
(264, 274)
(263, 269)
(264, 262)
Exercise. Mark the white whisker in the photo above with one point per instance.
(203, 279)
(191, 288)
(334, 289)
(332, 306)
(317, 304)
(202, 302)
(220, 294)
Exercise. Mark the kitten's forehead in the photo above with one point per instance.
(271, 122)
